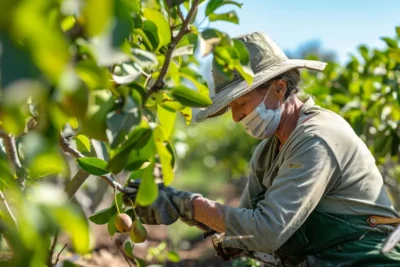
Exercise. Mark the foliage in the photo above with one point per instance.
(111, 72)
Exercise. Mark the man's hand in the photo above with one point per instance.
(170, 205)
(225, 253)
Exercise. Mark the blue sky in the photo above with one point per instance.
(340, 25)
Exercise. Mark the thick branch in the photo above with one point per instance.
(77, 182)
(159, 84)
(11, 151)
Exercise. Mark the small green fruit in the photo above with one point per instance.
(138, 233)
(123, 222)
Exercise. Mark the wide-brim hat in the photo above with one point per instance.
(267, 61)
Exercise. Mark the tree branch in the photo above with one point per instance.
(59, 253)
(159, 84)
(119, 244)
(11, 151)
(51, 251)
(75, 183)
(8, 212)
(7, 209)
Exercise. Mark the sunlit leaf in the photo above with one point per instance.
(173, 256)
(214, 4)
(82, 143)
(243, 67)
(164, 155)
(390, 42)
(167, 120)
(190, 97)
(75, 225)
(96, 22)
(67, 23)
(94, 166)
(163, 28)
(229, 16)
(46, 164)
(183, 51)
(187, 114)
(148, 190)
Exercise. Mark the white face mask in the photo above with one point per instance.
(262, 123)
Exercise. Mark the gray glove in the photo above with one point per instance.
(170, 205)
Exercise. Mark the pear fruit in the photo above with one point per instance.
(123, 222)
(138, 233)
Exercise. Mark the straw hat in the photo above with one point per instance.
(267, 61)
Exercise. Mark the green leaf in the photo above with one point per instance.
(92, 75)
(148, 190)
(189, 39)
(210, 39)
(74, 224)
(364, 52)
(394, 54)
(151, 31)
(128, 248)
(67, 23)
(14, 63)
(94, 123)
(104, 216)
(187, 114)
(228, 16)
(398, 31)
(111, 225)
(392, 43)
(137, 139)
(196, 78)
(214, 4)
(94, 166)
(119, 124)
(167, 120)
(190, 97)
(96, 22)
(244, 67)
(82, 143)
(143, 58)
(45, 164)
(164, 155)
(141, 158)
(173, 256)
(183, 51)
(163, 29)
(139, 262)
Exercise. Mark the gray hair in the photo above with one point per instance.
(292, 78)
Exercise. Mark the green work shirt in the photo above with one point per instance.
(323, 165)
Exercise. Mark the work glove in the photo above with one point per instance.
(225, 253)
(170, 205)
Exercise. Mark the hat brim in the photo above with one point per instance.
(239, 88)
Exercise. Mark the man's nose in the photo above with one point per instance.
(237, 115)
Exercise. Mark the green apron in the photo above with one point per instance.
(335, 240)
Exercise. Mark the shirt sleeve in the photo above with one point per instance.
(304, 177)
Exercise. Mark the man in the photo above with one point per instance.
(313, 184)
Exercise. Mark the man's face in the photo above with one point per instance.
(242, 106)
(245, 104)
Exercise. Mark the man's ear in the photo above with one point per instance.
(281, 87)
